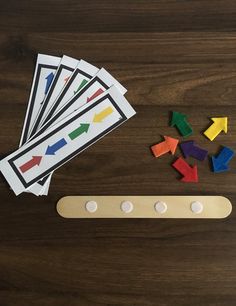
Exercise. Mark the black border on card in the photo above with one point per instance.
(36, 179)
(45, 102)
(57, 102)
(43, 181)
(32, 100)
(67, 105)
(52, 119)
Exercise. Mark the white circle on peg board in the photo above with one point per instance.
(127, 206)
(196, 207)
(91, 206)
(160, 207)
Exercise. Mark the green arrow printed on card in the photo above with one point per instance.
(84, 82)
(79, 131)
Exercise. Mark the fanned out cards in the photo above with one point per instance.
(72, 104)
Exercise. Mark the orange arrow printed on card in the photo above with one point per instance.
(168, 145)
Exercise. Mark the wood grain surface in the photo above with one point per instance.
(171, 55)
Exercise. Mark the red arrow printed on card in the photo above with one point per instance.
(189, 173)
(35, 160)
(97, 93)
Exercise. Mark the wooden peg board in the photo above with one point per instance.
(193, 207)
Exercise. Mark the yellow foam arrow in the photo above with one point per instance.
(103, 114)
(218, 125)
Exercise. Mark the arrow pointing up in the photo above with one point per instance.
(180, 121)
(66, 79)
(220, 163)
(36, 160)
(49, 79)
(168, 145)
(189, 148)
(218, 125)
(189, 174)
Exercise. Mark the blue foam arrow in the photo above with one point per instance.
(220, 163)
(51, 150)
(49, 79)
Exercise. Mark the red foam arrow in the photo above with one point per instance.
(189, 173)
(31, 163)
(97, 93)
(168, 145)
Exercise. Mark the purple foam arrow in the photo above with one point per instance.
(189, 148)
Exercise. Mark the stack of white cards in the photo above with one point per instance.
(72, 104)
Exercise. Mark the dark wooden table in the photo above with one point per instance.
(171, 55)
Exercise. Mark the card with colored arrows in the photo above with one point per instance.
(61, 88)
(93, 88)
(96, 86)
(80, 76)
(55, 83)
(63, 141)
(45, 69)
(62, 75)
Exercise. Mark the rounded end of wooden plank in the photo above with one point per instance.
(228, 207)
(194, 207)
(61, 206)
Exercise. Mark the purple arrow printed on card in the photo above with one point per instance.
(189, 148)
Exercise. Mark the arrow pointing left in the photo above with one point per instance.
(51, 150)
(221, 161)
(35, 160)
(97, 93)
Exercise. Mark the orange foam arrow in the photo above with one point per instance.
(168, 145)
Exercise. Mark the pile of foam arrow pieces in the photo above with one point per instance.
(219, 162)
(72, 105)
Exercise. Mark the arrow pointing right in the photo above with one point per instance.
(36, 160)
(218, 125)
(80, 130)
(168, 145)
(81, 85)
